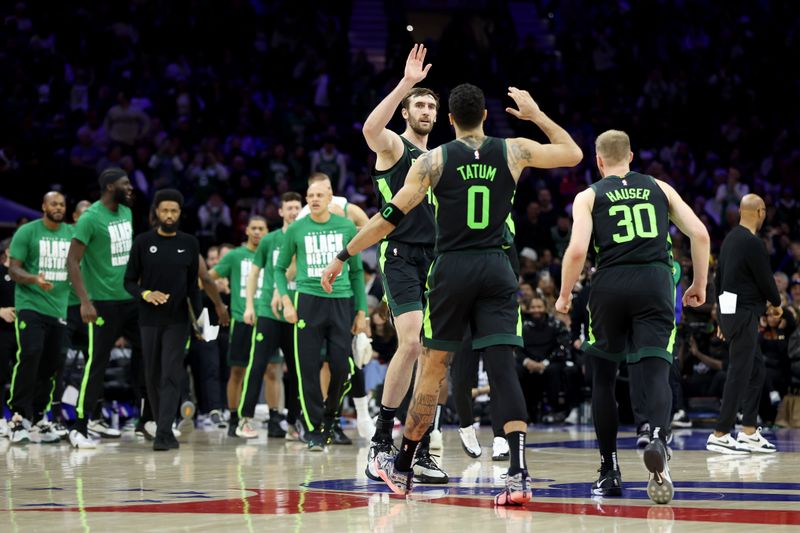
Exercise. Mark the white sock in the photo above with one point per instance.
(362, 407)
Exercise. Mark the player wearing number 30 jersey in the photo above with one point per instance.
(631, 304)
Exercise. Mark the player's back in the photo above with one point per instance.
(473, 197)
(631, 222)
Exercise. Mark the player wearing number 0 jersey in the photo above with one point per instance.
(632, 300)
(471, 282)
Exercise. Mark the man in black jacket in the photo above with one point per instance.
(744, 283)
(162, 274)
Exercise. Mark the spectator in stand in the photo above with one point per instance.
(560, 234)
(330, 161)
(774, 344)
(532, 231)
(548, 212)
(544, 365)
(790, 264)
(215, 220)
(125, 123)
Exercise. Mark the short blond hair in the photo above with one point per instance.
(613, 146)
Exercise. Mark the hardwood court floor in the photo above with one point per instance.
(216, 483)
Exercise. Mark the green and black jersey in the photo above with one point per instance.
(474, 197)
(417, 227)
(631, 222)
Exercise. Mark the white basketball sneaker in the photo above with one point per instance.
(756, 442)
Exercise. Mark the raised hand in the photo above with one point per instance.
(415, 70)
(527, 109)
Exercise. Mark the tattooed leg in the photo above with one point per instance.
(431, 377)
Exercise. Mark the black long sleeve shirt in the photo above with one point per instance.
(169, 265)
(744, 270)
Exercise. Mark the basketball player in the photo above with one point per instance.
(473, 180)
(98, 256)
(632, 299)
(235, 266)
(272, 329)
(38, 265)
(404, 256)
(319, 317)
(339, 204)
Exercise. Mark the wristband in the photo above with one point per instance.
(144, 295)
(344, 255)
(392, 214)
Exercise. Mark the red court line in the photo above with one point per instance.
(661, 512)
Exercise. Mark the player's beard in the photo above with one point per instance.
(121, 198)
(419, 128)
(54, 218)
(172, 227)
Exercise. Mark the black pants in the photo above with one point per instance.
(464, 374)
(204, 359)
(638, 391)
(321, 321)
(115, 319)
(8, 350)
(274, 334)
(163, 351)
(40, 348)
(745, 374)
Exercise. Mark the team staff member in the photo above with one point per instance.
(235, 266)
(744, 270)
(38, 265)
(320, 317)
(272, 329)
(98, 256)
(162, 275)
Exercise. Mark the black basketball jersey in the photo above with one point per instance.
(417, 227)
(631, 221)
(474, 197)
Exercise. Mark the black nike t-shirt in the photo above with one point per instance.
(169, 265)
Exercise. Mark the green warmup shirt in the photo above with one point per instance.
(316, 245)
(108, 237)
(266, 256)
(42, 251)
(235, 266)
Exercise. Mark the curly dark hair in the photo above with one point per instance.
(467, 105)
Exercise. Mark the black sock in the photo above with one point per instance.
(234, 418)
(385, 424)
(608, 461)
(437, 418)
(516, 446)
(274, 416)
(406, 454)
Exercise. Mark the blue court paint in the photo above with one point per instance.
(637, 490)
(51, 504)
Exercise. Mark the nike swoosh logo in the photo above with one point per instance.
(180, 251)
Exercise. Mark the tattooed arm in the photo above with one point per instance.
(562, 151)
(424, 173)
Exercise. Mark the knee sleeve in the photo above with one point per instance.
(508, 402)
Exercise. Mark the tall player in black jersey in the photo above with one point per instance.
(473, 180)
(632, 300)
(405, 255)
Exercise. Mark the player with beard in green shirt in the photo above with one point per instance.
(38, 265)
(97, 259)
